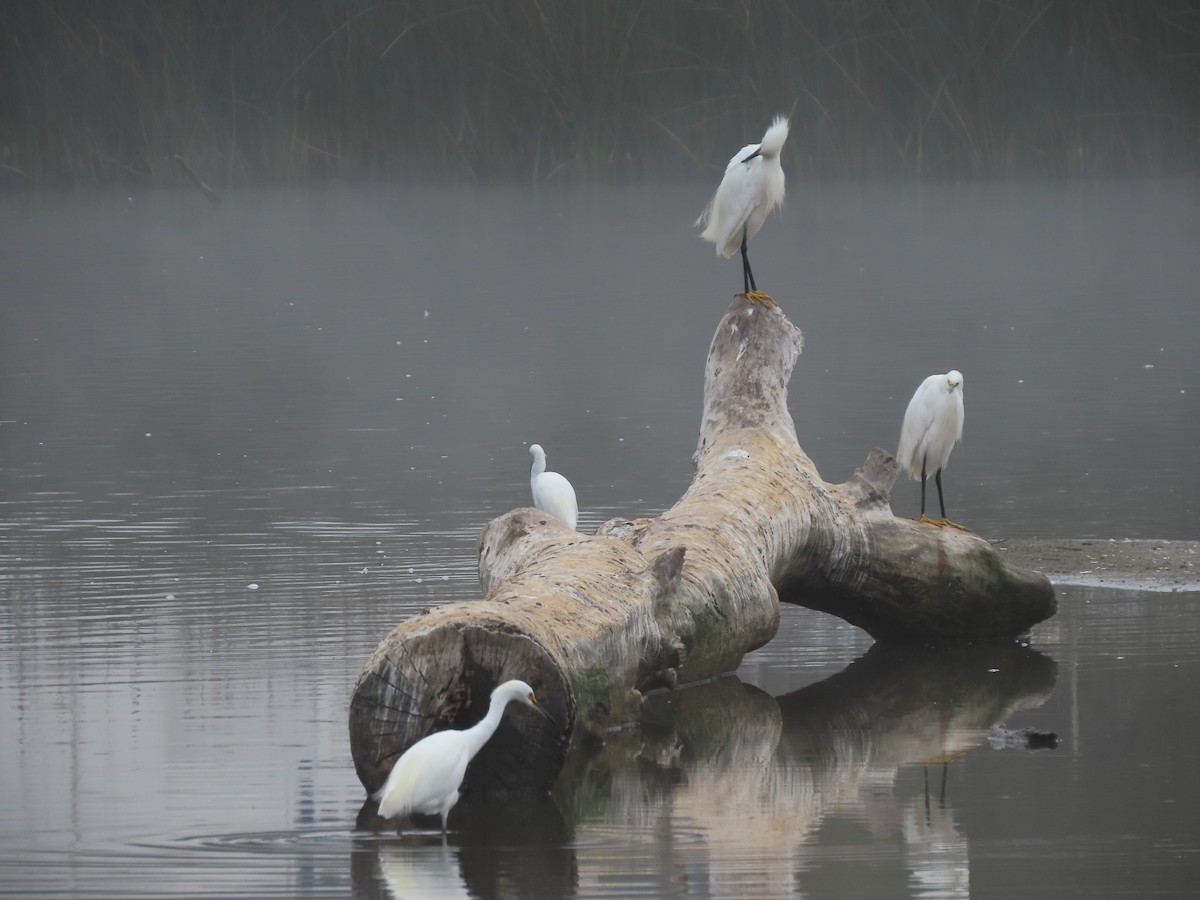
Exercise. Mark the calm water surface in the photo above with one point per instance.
(238, 445)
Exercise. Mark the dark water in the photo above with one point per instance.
(238, 445)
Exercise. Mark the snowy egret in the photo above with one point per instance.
(751, 188)
(427, 776)
(933, 424)
(552, 493)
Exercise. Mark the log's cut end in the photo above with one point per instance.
(434, 673)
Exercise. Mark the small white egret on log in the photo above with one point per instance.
(427, 776)
(552, 493)
(752, 186)
(932, 426)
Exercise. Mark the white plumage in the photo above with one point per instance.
(552, 493)
(427, 776)
(933, 424)
(753, 185)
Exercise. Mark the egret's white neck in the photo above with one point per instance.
(539, 466)
(479, 733)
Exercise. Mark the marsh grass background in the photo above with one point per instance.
(108, 92)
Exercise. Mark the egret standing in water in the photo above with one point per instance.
(751, 188)
(427, 776)
(932, 426)
(552, 493)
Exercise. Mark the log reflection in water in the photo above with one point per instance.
(755, 776)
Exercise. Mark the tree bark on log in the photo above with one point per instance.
(592, 622)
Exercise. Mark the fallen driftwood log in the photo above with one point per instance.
(592, 622)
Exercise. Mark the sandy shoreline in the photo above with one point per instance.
(1098, 562)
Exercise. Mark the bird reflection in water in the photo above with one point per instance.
(937, 852)
(421, 870)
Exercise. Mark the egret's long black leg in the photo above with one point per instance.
(752, 293)
(747, 275)
(922, 488)
(928, 811)
(943, 521)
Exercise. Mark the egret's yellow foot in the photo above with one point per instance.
(759, 297)
(941, 523)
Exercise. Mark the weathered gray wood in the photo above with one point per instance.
(902, 580)
(834, 548)
(580, 618)
(594, 621)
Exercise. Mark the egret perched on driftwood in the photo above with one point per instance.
(427, 776)
(552, 493)
(751, 188)
(932, 426)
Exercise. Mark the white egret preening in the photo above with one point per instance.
(933, 424)
(552, 493)
(427, 776)
(752, 187)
